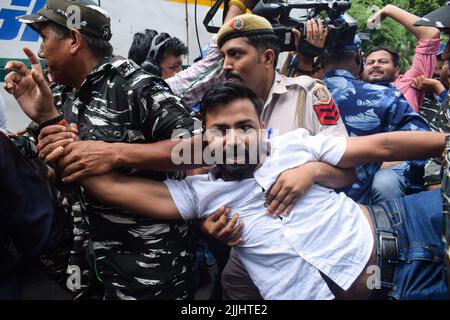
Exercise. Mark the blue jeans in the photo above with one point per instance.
(418, 222)
(387, 184)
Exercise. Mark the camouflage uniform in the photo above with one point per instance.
(135, 257)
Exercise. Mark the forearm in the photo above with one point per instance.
(408, 19)
(332, 177)
(393, 146)
(160, 156)
(137, 195)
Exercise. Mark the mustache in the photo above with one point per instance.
(376, 69)
(231, 75)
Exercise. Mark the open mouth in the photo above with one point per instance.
(376, 73)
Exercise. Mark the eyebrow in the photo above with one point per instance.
(223, 125)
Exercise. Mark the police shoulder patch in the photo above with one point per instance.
(326, 109)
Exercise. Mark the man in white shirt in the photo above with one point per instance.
(325, 247)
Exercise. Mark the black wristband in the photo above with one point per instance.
(47, 123)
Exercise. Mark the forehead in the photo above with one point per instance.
(381, 54)
(171, 58)
(231, 113)
(236, 43)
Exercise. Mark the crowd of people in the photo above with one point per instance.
(325, 181)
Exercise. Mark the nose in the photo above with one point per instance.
(41, 51)
(234, 136)
(227, 65)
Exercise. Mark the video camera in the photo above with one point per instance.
(342, 28)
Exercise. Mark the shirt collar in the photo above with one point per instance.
(339, 73)
(279, 87)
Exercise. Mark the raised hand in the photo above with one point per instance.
(30, 89)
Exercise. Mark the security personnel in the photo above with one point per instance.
(440, 18)
(110, 99)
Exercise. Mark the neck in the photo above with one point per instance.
(85, 65)
(265, 86)
(350, 69)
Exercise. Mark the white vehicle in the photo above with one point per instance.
(176, 17)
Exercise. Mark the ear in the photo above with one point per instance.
(358, 59)
(75, 40)
(397, 71)
(263, 124)
(269, 58)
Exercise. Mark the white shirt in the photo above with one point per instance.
(325, 231)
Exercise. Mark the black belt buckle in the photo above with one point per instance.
(389, 249)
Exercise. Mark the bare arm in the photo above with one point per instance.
(86, 158)
(140, 196)
(408, 19)
(392, 146)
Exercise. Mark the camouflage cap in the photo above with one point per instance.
(439, 18)
(93, 20)
(243, 26)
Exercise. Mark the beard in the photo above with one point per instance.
(236, 172)
(381, 76)
(237, 168)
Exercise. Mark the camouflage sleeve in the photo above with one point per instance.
(162, 112)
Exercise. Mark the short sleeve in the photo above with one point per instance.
(296, 148)
(322, 114)
(184, 197)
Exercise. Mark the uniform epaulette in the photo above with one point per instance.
(125, 67)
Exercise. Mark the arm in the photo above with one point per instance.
(407, 19)
(140, 196)
(294, 183)
(316, 35)
(392, 146)
(86, 158)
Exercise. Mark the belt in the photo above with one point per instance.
(387, 252)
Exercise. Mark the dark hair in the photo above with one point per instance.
(264, 42)
(340, 59)
(394, 55)
(99, 47)
(141, 45)
(225, 93)
(172, 46)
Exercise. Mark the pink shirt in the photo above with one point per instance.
(423, 64)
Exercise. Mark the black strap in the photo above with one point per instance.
(309, 50)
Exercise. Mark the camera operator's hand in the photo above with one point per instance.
(316, 34)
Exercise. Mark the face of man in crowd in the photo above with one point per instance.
(244, 63)
(380, 68)
(170, 65)
(234, 130)
(56, 52)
